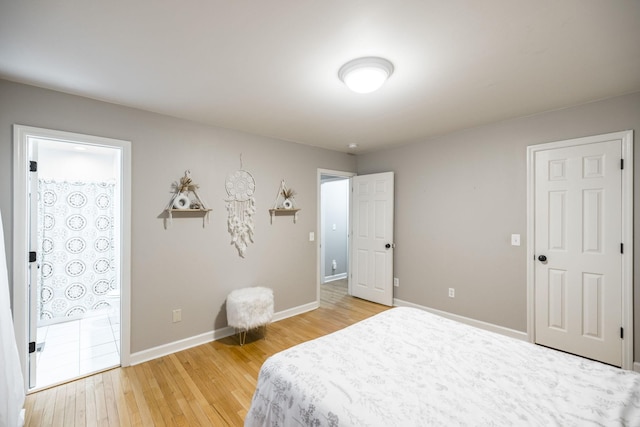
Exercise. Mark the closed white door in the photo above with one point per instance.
(372, 257)
(578, 259)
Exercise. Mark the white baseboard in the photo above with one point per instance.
(328, 279)
(636, 366)
(295, 311)
(477, 323)
(173, 347)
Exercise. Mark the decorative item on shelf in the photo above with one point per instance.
(284, 203)
(241, 207)
(288, 194)
(182, 202)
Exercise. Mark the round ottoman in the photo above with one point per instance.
(249, 308)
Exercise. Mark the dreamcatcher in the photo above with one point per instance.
(241, 206)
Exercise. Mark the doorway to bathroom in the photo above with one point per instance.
(75, 269)
(334, 191)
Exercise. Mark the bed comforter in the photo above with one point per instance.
(407, 367)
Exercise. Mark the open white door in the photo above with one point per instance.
(28, 273)
(34, 262)
(372, 249)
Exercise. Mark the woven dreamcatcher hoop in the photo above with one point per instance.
(241, 207)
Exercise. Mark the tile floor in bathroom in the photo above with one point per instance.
(77, 348)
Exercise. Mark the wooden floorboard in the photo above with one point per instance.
(208, 385)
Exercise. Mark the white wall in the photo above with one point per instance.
(187, 266)
(459, 197)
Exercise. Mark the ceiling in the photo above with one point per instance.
(270, 67)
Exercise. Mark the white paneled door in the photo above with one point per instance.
(578, 249)
(33, 265)
(372, 256)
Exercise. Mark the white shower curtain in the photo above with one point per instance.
(11, 380)
(77, 250)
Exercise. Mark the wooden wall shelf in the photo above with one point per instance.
(186, 213)
(284, 212)
(183, 190)
(190, 210)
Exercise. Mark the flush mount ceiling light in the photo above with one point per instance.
(364, 75)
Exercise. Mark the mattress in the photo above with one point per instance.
(407, 367)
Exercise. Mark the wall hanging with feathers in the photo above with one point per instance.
(241, 207)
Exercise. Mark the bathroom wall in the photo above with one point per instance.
(335, 212)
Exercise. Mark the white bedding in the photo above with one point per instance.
(407, 367)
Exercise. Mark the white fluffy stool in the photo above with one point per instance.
(249, 308)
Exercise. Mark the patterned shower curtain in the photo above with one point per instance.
(76, 233)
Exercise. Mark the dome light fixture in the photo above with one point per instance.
(365, 75)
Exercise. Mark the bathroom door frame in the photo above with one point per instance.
(21, 136)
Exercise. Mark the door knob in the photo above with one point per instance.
(542, 258)
(388, 246)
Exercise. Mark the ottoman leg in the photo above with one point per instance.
(242, 336)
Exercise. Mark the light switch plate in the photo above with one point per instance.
(312, 236)
(515, 240)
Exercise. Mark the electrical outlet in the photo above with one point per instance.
(396, 282)
(452, 293)
(177, 315)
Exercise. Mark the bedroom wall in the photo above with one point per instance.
(459, 197)
(187, 266)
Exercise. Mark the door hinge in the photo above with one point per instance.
(32, 257)
(33, 166)
(621, 163)
(621, 248)
(621, 333)
(32, 347)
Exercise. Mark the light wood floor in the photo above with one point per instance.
(208, 385)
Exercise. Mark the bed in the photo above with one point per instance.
(407, 367)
